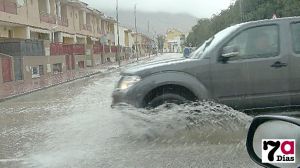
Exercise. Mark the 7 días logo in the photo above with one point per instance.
(278, 151)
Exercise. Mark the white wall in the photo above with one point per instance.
(121, 34)
(131, 40)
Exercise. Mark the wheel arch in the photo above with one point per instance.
(171, 78)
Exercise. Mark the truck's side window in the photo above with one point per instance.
(296, 36)
(257, 42)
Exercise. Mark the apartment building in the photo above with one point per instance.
(68, 30)
(125, 40)
(46, 37)
(63, 21)
(174, 41)
(143, 43)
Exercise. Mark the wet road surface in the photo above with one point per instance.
(72, 125)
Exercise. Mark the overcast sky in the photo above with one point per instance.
(197, 8)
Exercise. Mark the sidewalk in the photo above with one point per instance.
(13, 89)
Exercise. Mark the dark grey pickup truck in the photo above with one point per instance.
(246, 66)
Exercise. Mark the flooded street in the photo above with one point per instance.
(73, 125)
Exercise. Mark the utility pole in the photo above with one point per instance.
(241, 10)
(148, 45)
(118, 34)
(136, 44)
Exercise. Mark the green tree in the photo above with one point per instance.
(241, 11)
(200, 33)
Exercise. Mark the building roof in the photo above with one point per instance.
(174, 30)
(77, 3)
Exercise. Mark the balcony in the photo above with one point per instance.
(86, 27)
(8, 6)
(48, 18)
(63, 21)
(66, 49)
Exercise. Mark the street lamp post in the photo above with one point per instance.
(136, 44)
(118, 34)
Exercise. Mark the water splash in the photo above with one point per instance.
(201, 122)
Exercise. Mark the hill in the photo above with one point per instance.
(159, 22)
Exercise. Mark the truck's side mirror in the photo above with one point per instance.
(273, 141)
(230, 51)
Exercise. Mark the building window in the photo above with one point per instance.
(35, 72)
(57, 68)
(41, 69)
(81, 64)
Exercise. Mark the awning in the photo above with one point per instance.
(39, 30)
(94, 39)
(67, 35)
(80, 36)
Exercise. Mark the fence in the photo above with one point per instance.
(64, 49)
(21, 47)
(114, 49)
(106, 49)
(97, 48)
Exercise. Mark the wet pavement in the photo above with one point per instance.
(73, 125)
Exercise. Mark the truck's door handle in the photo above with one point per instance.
(278, 64)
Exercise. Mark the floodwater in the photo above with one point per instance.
(73, 125)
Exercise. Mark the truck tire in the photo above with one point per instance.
(168, 97)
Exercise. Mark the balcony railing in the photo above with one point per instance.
(66, 49)
(62, 21)
(98, 48)
(8, 6)
(106, 49)
(78, 49)
(114, 49)
(48, 18)
(86, 27)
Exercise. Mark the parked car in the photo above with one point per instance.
(249, 65)
(273, 141)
